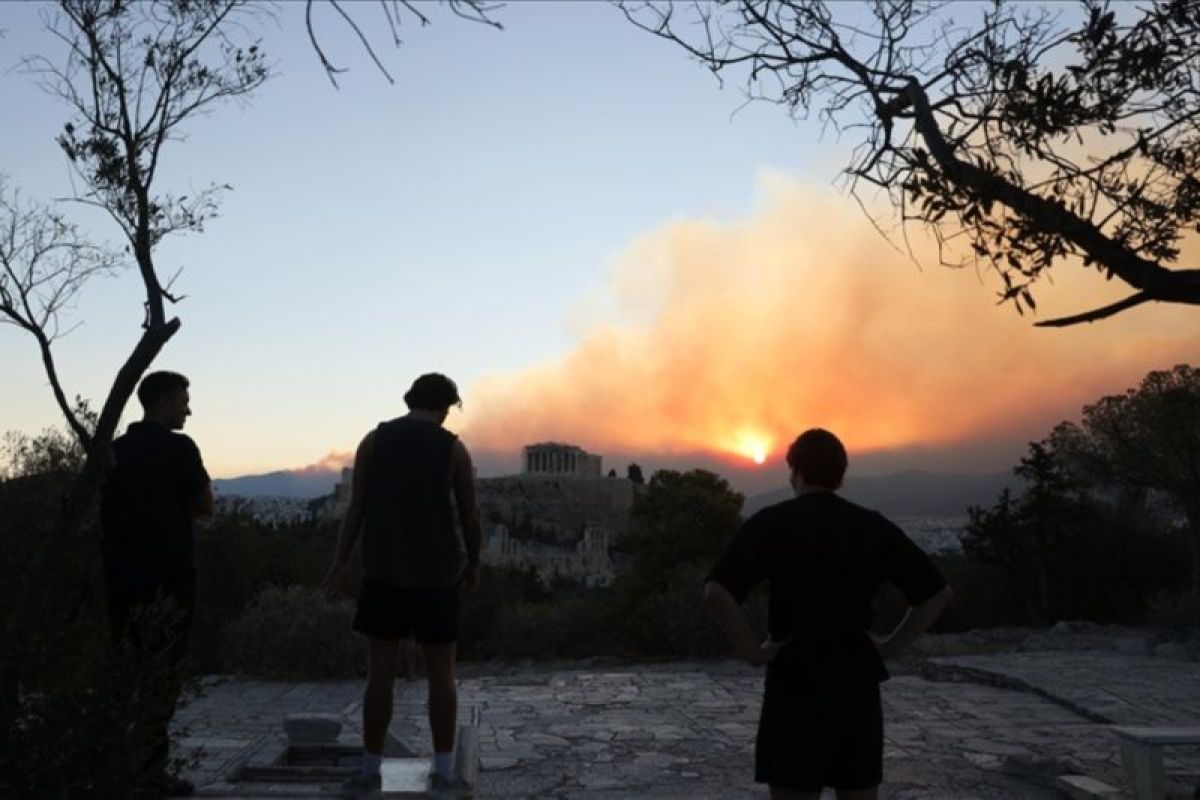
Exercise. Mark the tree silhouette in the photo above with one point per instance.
(1021, 139)
(1148, 438)
(1026, 535)
(132, 75)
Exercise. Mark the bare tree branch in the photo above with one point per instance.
(393, 12)
(976, 130)
(1098, 314)
(44, 263)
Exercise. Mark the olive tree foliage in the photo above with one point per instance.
(131, 76)
(1146, 438)
(1021, 135)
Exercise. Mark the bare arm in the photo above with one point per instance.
(463, 474)
(915, 622)
(352, 523)
(733, 622)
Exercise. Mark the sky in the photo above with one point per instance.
(581, 226)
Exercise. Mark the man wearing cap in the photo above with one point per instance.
(413, 562)
(824, 557)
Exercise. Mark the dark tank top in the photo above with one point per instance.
(409, 536)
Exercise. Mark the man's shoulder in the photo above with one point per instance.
(821, 505)
(776, 514)
(142, 437)
(813, 503)
(181, 439)
(864, 517)
(847, 506)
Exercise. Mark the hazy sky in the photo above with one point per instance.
(569, 219)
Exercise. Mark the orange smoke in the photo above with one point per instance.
(731, 337)
(332, 461)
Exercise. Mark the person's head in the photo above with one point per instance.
(164, 398)
(432, 393)
(817, 460)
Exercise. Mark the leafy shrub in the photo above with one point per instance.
(86, 719)
(236, 559)
(983, 596)
(1178, 609)
(500, 590)
(294, 633)
(526, 630)
(671, 620)
(1114, 574)
(513, 614)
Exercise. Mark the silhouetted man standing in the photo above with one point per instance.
(413, 562)
(156, 487)
(824, 557)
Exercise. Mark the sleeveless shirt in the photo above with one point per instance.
(409, 535)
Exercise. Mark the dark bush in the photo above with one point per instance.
(86, 719)
(237, 558)
(294, 633)
(983, 596)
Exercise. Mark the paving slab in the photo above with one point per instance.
(1002, 725)
(1113, 687)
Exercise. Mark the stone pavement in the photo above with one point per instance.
(686, 730)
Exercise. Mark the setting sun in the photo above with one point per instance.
(753, 446)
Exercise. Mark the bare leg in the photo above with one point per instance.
(383, 657)
(443, 694)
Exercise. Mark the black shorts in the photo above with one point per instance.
(394, 612)
(814, 734)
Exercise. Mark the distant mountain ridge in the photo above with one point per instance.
(911, 493)
(303, 484)
(908, 493)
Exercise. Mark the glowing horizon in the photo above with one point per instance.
(800, 316)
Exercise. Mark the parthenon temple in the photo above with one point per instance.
(552, 458)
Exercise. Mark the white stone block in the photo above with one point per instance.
(404, 777)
